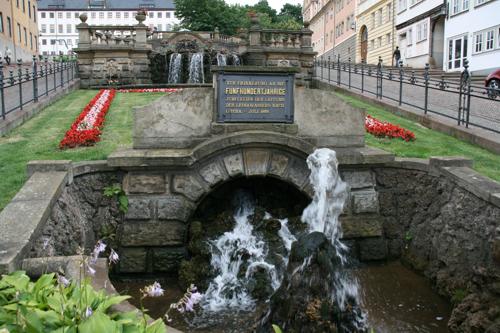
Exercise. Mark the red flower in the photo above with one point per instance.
(384, 129)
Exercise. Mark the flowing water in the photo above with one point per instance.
(196, 72)
(175, 67)
(236, 59)
(221, 59)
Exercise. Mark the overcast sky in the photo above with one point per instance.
(276, 4)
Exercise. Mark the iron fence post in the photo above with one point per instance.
(20, 78)
(321, 61)
(400, 82)
(2, 96)
(426, 96)
(54, 67)
(466, 66)
(46, 76)
(329, 62)
(61, 68)
(338, 69)
(362, 76)
(379, 78)
(35, 80)
(464, 96)
(67, 72)
(349, 72)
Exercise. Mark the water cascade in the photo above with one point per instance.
(174, 69)
(237, 249)
(196, 73)
(236, 59)
(221, 59)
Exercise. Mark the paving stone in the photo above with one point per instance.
(133, 259)
(174, 207)
(145, 183)
(364, 202)
(256, 162)
(153, 233)
(188, 186)
(234, 164)
(212, 174)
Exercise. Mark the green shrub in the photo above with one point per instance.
(56, 305)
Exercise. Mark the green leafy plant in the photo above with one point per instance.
(408, 236)
(57, 305)
(277, 329)
(120, 195)
(458, 296)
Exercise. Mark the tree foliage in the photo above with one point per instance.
(206, 15)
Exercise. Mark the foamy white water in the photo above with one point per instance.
(174, 68)
(196, 72)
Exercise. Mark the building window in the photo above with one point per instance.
(31, 41)
(373, 20)
(167, 14)
(34, 16)
(51, 15)
(379, 40)
(24, 6)
(52, 42)
(110, 15)
(101, 15)
(480, 2)
(159, 15)
(60, 28)
(93, 15)
(169, 27)
(159, 27)
(76, 15)
(68, 15)
(68, 28)
(478, 43)
(60, 15)
(52, 29)
(118, 15)
(43, 28)
(9, 26)
(389, 12)
(44, 42)
(19, 33)
(125, 15)
(388, 38)
(17, 3)
(409, 36)
(25, 37)
(36, 43)
(457, 52)
(490, 40)
(69, 42)
(151, 14)
(1, 22)
(43, 14)
(380, 13)
(421, 32)
(372, 44)
(29, 9)
(460, 6)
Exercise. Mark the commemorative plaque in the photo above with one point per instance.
(255, 97)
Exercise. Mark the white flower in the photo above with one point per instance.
(90, 270)
(154, 290)
(113, 257)
(98, 249)
(62, 281)
(88, 312)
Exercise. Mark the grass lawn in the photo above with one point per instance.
(38, 138)
(428, 142)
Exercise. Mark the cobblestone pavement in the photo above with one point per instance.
(12, 94)
(484, 112)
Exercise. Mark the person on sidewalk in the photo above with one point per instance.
(396, 56)
(8, 55)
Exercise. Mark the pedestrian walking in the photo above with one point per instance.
(8, 55)
(396, 56)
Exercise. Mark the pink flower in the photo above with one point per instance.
(153, 290)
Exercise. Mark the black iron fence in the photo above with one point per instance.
(469, 104)
(22, 84)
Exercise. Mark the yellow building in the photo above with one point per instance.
(18, 29)
(375, 28)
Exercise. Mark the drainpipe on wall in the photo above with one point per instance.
(393, 30)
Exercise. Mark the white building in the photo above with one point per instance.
(472, 31)
(57, 19)
(420, 32)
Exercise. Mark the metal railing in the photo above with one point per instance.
(466, 103)
(23, 84)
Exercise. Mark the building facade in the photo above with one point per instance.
(58, 19)
(18, 29)
(333, 26)
(420, 32)
(472, 32)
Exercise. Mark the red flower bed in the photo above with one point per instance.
(168, 90)
(383, 129)
(86, 129)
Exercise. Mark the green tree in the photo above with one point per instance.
(292, 11)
